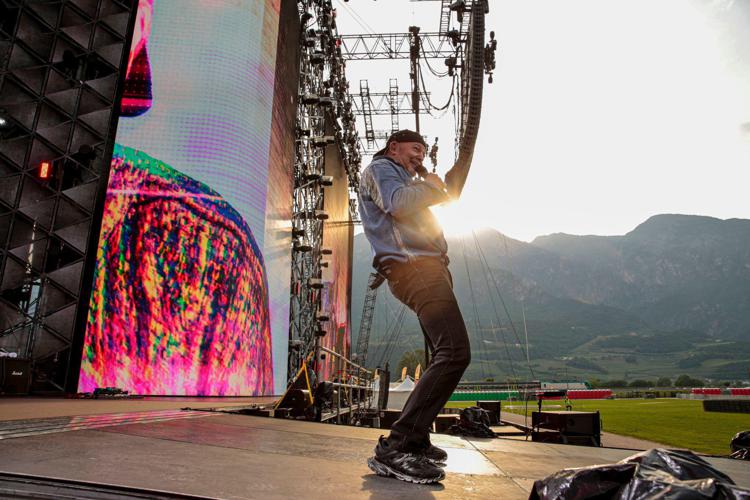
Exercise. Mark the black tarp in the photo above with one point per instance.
(653, 474)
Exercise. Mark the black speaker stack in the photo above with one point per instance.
(567, 427)
(15, 376)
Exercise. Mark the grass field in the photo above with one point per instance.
(676, 422)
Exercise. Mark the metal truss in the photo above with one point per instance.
(324, 108)
(394, 46)
(390, 103)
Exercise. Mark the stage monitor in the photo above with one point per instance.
(190, 293)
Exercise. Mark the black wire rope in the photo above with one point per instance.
(486, 271)
(396, 335)
(395, 339)
(391, 337)
(477, 323)
(384, 341)
(505, 307)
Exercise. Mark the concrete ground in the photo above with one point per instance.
(235, 456)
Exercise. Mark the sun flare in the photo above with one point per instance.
(457, 219)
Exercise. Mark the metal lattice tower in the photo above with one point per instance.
(393, 101)
(368, 312)
(366, 111)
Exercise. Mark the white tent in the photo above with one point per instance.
(406, 386)
(400, 393)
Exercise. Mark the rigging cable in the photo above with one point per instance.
(359, 20)
(392, 336)
(395, 339)
(494, 307)
(477, 324)
(505, 307)
(523, 307)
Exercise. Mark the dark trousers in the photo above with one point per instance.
(426, 287)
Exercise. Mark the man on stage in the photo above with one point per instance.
(411, 252)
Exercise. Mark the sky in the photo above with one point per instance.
(602, 113)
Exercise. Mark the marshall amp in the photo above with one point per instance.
(15, 376)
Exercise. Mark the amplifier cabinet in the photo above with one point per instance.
(574, 427)
(15, 376)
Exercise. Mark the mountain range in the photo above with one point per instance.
(670, 297)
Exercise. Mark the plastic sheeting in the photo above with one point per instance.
(740, 446)
(652, 474)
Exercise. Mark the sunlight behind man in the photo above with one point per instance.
(460, 218)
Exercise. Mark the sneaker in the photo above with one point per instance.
(411, 467)
(436, 455)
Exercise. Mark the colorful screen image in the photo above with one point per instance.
(186, 297)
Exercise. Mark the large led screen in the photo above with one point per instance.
(338, 234)
(191, 284)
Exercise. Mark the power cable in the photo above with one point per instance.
(426, 99)
(429, 66)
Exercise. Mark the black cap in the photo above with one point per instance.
(402, 136)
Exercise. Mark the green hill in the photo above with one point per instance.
(672, 296)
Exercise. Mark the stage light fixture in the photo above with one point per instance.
(459, 7)
(325, 140)
(318, 58)
(8, 128)
(310, 99)
(326, 180)
(315, 283)
(451, 62)
(454, 36)
(326, 251)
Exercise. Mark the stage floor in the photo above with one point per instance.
(235, 456)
